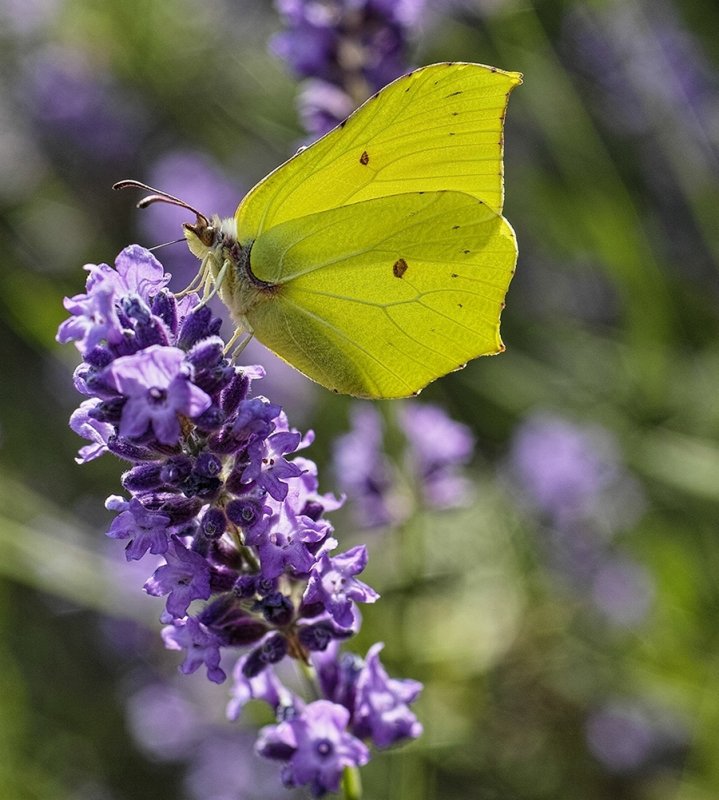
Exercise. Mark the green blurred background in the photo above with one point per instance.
(542, 679)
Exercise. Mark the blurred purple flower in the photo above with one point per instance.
(562, 468)
(25, 17)
(80, 104)
(223, 767)
(437, 447)
(621, 737)
(362, 469)
(348, 48)
(623, 590)
(163, 721)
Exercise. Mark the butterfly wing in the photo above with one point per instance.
(380, 297)
(437, 128)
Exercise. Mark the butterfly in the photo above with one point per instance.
(377, 259)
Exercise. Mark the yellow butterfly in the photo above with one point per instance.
(377, 259)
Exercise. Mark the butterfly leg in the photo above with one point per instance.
(198, 280)
(216, 284)
(245, 330)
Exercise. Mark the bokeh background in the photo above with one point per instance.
(560, 599)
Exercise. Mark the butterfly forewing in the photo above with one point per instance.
(437, 128)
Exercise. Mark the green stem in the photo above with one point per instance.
(351, 784)
(309, 679)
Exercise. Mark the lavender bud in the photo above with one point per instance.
(164, 306)
(245, 586)
(207, 465)
(142, 478)
(129, 451)
(175, 470)
(99, 357)
(245, 511)
(213, 523)
(318, 636)
(150, 332)
(235, 393)
(276, 608)
(271, 651)
(211, 419)
(195, 327)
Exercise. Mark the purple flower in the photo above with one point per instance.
(363, 470)
(285, 544)
(332, 583)
(437, 447)
(268, 468)
(621, 737)
(381, 704)
(353, 47)
(316, 746)
(201, 646)
(563, 468)
(322, 105)
(92, 429)
(95, 315)
(146, 530)
(264, 686)
(185, 577)
(623, 590)
(156, 383)
(81, 106)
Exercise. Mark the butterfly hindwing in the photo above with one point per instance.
(378, 298)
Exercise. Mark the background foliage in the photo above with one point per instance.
(543, 680)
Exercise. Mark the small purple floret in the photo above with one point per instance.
(146, 530)
(184, 577)
(202, 647)
(333, 584)
(382, 704)
(316, 746)
(158, 389)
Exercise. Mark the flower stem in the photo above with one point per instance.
(351, 784)
(310, 679)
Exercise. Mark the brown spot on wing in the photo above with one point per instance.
(399, 268)
(364, 158)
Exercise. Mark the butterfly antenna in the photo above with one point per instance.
(165, 244)
(158, 196)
